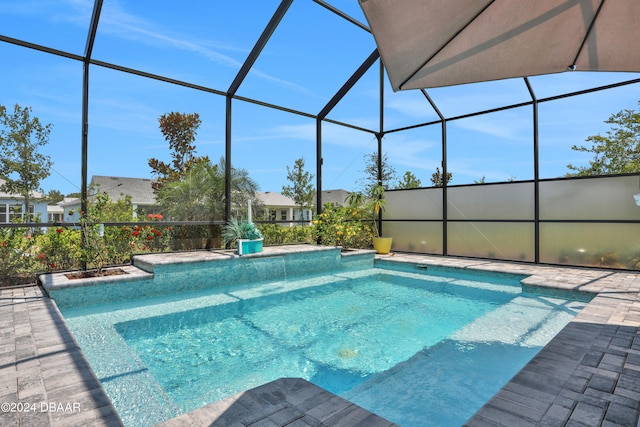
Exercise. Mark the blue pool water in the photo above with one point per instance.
(415, 347)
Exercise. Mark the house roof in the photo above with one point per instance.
(139, 189)
(141, 192)
(57, 208)
(271, 198)
(5, 195)
(336, 197)
(69, 201)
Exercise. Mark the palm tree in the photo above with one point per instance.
(200, 195)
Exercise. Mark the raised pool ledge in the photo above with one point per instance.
(161, 274)
(56, 281)
(157, 262)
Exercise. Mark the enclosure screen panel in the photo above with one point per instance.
(508, 241)
(410, 236)
(604, 198)
(425, 203)
(494, 202)
(604, 245)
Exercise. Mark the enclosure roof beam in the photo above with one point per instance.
(342, 15)
(93, 29)
(349, 84)
(260, 44)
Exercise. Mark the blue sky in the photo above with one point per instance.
(309, 57)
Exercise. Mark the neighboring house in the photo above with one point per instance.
(59, 211)
(139, 189)
(335, 197)
(12, 206)
(55, 213)
(277, 207)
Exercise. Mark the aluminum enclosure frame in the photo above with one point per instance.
(320, 117)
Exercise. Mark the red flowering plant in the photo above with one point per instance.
(56, 249)
(147, 238)
(16, 260)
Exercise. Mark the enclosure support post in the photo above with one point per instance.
(227, 161)
(536, 175)
(443, 123)
(318, 166)
(88, 50)
(379, 136)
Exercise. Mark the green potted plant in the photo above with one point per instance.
(245, 234)
(374, 204)
(377, 204)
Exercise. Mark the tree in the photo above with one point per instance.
(22, 166)
(437, 178)
(370, 181)
(301, 191)
(243, 187)
(190, 198)
(54, 196)
(180, 131)
(200, 195)
(617, 152)
(409, 180)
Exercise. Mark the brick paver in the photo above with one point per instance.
(588, 375)
(44, 378)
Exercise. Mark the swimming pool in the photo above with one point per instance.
(404, 343)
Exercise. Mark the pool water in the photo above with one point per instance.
(414, 347)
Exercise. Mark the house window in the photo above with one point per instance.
(13, 212)
(283, 214)
(272, 214)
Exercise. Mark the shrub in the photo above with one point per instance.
(144, 238)
(57, 249)
(16, 256)
(346, 226)
(276, 234)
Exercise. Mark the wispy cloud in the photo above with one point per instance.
(413, 107)
(117, 21)
(513, 127)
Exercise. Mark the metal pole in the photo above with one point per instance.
(93, 28)
(318, 166)
(443, 122)
(536, 175)
(227, 161)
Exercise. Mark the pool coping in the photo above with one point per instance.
(589, 374)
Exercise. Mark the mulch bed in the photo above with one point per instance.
(92, 273)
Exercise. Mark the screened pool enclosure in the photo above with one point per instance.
(276, 81)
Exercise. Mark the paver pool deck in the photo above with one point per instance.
(588, 375)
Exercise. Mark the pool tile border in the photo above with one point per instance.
(588, 375)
